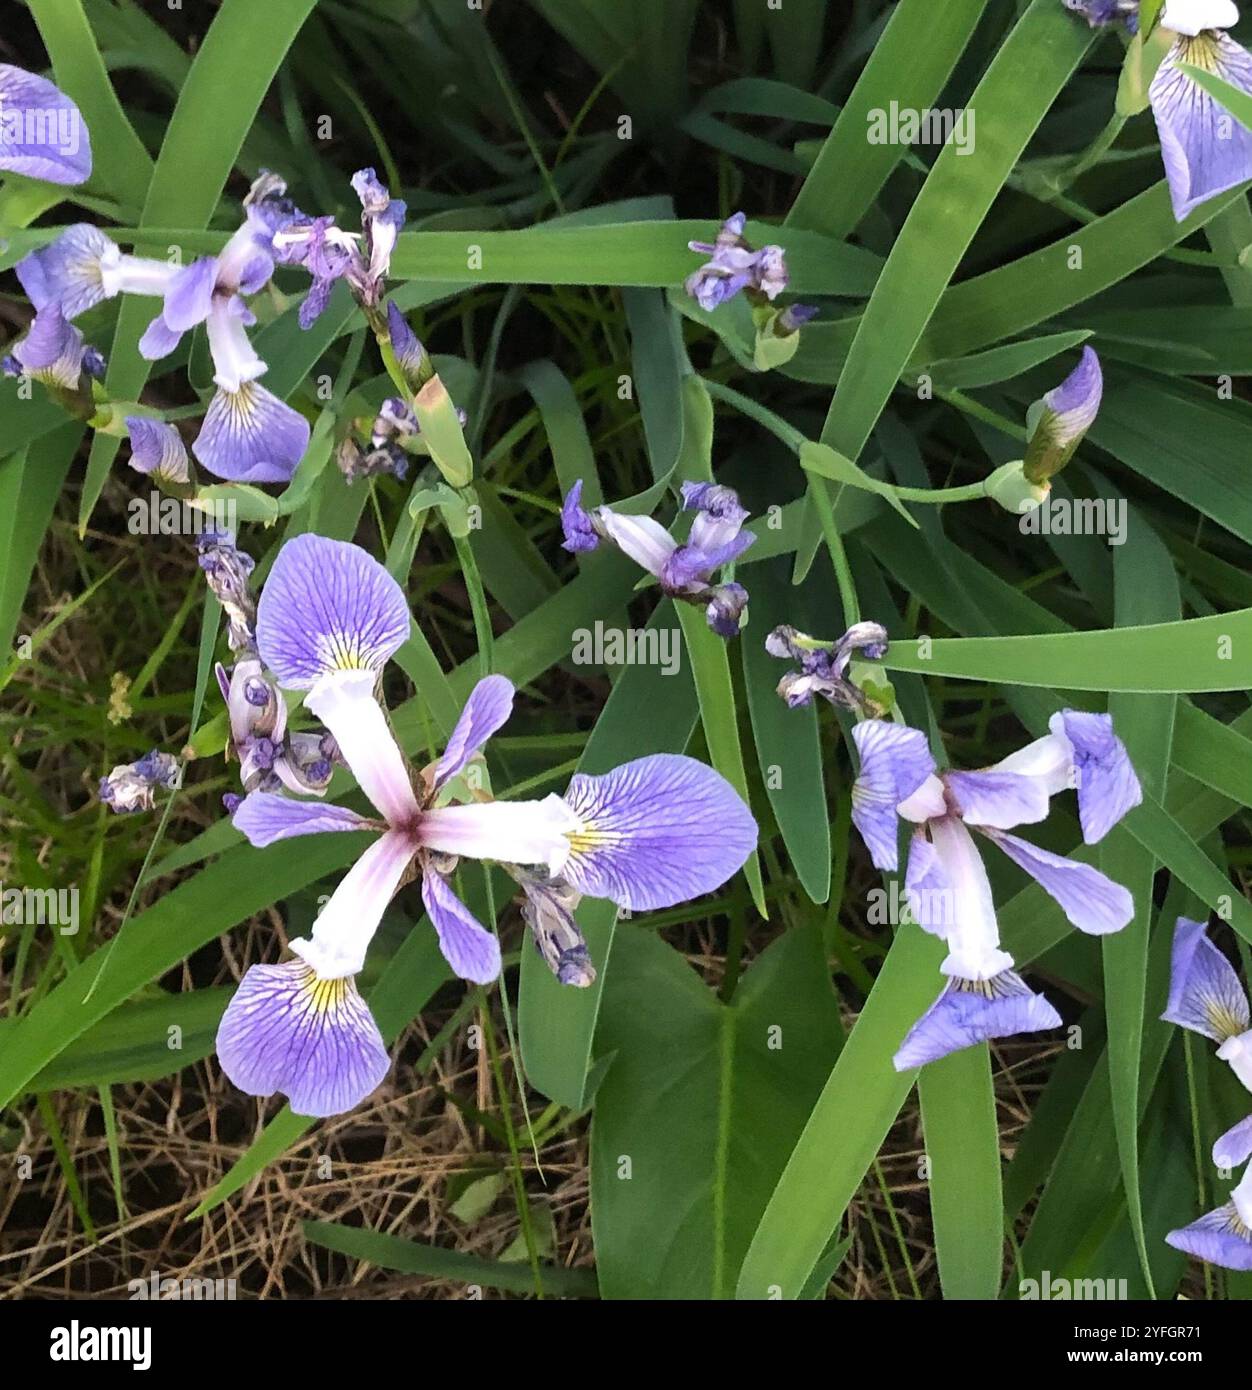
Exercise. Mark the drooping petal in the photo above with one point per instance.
(265, 817)
(1219, 1237)
(68, 270)
(926, 886)
(469, 948)
(52, 352)
(488, 708)
(344, 701)
(314, 1041)
(1205, 150)
(510, 832)
(1091, 901)
(157, 448)
(1204, 991)
(656, 831)
(42, 133)
(250, 436)
(642, 538)
(328, 606)
(969, 1012)
(1235, 1146)
(1102, 771)
(344, 928)
(190, 295)
(895, 761)
(999, 799)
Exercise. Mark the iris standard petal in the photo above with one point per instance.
(250, 436)
(328, 606)
(969, 1012)
(1091, 901)
(1103, 774)
(344, 928)
(469, 948)
(895, 761)
(314, 1041)
(42, 133)
(344, 702)
(1205, 994)
(1205, 150)
(656, 831)
(489, 705)
(265, 817)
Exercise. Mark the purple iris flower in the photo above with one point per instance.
(734, 266)
(1205, 150)
(407, 347)
(331, 254)
(157, 449)
(1099, 13)
(652, 833)
(946, 883)
(1206, 997)
(42, 133)
(822, 667)
(132, 787)
(683, 571)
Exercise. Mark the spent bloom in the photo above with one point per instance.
(683, 570)
(734, 266)
(1206, 997)
(42, 133)
(651, 833)
(946, 884)
(823, 666)
(133, 786)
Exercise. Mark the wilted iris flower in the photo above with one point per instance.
(734, 266)
(132, 787)
(1206, 997)
(42, 133)
(270, 755)
(684, 571)
(946, 884)
(1204, 149)
(823, 666)
(654, 832)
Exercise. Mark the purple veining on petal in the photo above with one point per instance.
(489, 705)
(999, 799)
(68, 270)
(656, 831)
(250, 436)
(576, 525)
(469, 948)
(314, 1041)
(969, 1012)
(42, 133)
(266, 818)
(1108, 787)
(328, 605)
(1205, 994)
(1091, 901)
(895, 761)
(1218, 1237)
